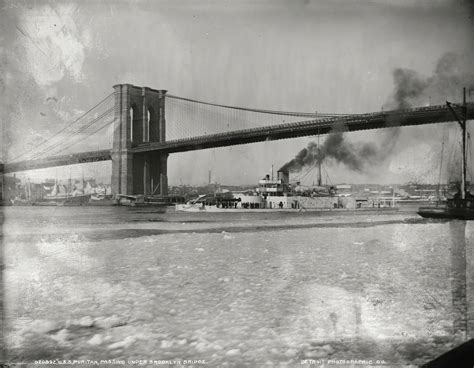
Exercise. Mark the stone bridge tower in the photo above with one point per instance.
(139, 118)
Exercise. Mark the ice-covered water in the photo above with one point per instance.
(237, 289)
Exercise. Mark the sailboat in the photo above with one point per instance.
(63, 196)
(461, 206)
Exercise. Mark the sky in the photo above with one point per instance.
(59, 58)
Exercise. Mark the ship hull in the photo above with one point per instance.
(64, 201)
(447, 213)
(202, 209)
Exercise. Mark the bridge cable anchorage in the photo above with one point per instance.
(106, 99)
(68, 138)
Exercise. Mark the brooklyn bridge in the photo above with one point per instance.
(148, 124)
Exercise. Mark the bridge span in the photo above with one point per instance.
(348, 123)
(140, 149)
(63, 160)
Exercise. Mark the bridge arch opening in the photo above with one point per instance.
(130, 114)
(146, 123)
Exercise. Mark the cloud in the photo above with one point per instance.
(52, 44)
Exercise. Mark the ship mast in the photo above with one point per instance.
(320, 179)
(464, 138)
(462, 123)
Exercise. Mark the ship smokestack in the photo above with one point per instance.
(284, 176)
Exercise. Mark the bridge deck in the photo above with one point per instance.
(71, 159)
(376, 120)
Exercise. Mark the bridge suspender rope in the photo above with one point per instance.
(274, 112)
(188, 118)
(195, 120)
(192, 124)
(76, 132)
(56, 139)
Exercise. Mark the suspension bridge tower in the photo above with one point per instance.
(139, 118)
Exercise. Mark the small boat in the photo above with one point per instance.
(460, 209)
(140, 200)
(461, 206)
(79, 200)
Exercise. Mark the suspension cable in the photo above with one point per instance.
(95, 131)
(66, 127)
(274, 112)
(72, 134)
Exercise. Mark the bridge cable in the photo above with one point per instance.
(194, 106)
(81, 137)
(274, 112)
(95, 131)
(68, 126)
(72, 134)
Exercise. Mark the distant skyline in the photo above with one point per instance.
(58, 59)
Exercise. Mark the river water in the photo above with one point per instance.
(233, 289)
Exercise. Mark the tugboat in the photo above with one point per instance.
(461, 206)
(279, 195)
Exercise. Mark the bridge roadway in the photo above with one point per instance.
(70, 159)
(348, 123)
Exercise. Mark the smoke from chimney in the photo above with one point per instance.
(452, 71)
(408, 85)
(359, 157)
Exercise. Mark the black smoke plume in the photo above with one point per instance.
(408, 85)
(357, 157)
(451, 73)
